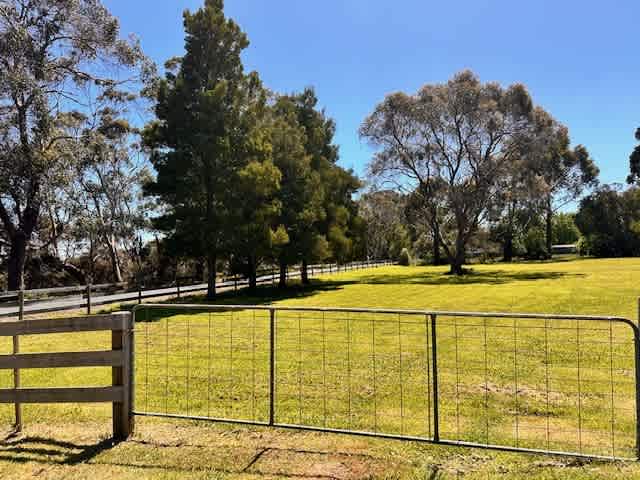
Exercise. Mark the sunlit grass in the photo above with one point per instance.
(372, 372)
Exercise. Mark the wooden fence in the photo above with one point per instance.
(119, 358)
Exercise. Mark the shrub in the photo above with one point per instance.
(404, 258)
(535, 244)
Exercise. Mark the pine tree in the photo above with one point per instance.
(202, 138)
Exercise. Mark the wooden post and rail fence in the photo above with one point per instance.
(124, 292)
(119, 358)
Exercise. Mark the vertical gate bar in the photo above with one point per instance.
(636, 343)
(546, 373)
(272, 357)
(253, 367)
(209, 366)
(455, 329)
(324, 370)
(579, 388)
(166, 364)
(613, 420)
(401, 379)
(486, 382)
(375, 393)
(300, 367)
(349, 363)
(16, 371)
(231, 382)
(434, 375)
(515, 371)
(427, 369)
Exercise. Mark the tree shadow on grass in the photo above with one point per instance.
(492, 277)
(267, 295)
(263, 295)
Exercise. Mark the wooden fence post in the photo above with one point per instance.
(89, 299)
(123, 420)
(16, 371)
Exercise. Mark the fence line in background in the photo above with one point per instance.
(565, 384)
(236, 282)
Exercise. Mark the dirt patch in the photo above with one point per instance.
(313, 464)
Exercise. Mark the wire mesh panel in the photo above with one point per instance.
(555, 385)
(563, 384)
(203, 363)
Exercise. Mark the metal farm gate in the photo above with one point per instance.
(563, 384)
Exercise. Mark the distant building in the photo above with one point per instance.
(560, 249)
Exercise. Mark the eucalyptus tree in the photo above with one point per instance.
(56, 57)
(203, 135)
(106, 190)
(564, 172)
(459, 137)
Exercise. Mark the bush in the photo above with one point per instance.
(404, 258)
(535, 244)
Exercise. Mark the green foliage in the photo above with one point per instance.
(608, 220)
(634, 162)
(62, 68)
(404, 258)
(535, 243)
(207, 132)
(565, 231)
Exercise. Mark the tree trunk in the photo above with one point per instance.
(16, 261)
(304, 272)
(507, 248)
(200, 269)
(253, 276)
(436, 244)
(549, 232)
(115, 261)
(211, 276)
(283, 274)
(458, 259)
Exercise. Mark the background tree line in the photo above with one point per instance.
(110, 171)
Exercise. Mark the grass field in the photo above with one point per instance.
(501, 382)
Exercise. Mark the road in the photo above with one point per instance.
(78, 301)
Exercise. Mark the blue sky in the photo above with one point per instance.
(579, 59)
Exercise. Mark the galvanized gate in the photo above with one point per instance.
(564, 384)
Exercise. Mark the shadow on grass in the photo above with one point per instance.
(47, 450)
(267, 295)
(492, 277)
(263, 295)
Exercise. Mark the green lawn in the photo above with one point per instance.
(372, 372)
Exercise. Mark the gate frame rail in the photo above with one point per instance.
(431, 315)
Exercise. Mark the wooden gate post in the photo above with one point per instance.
(123, 420)
(16, 371)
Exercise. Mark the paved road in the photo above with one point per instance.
(77, 301)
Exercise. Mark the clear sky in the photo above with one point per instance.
(579, 59)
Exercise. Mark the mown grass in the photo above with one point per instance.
(372, 372)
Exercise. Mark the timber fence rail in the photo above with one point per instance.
(563, 384)
(119, 359)
(56, 299)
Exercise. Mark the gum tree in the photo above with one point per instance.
(452, 142)
(56, 58)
